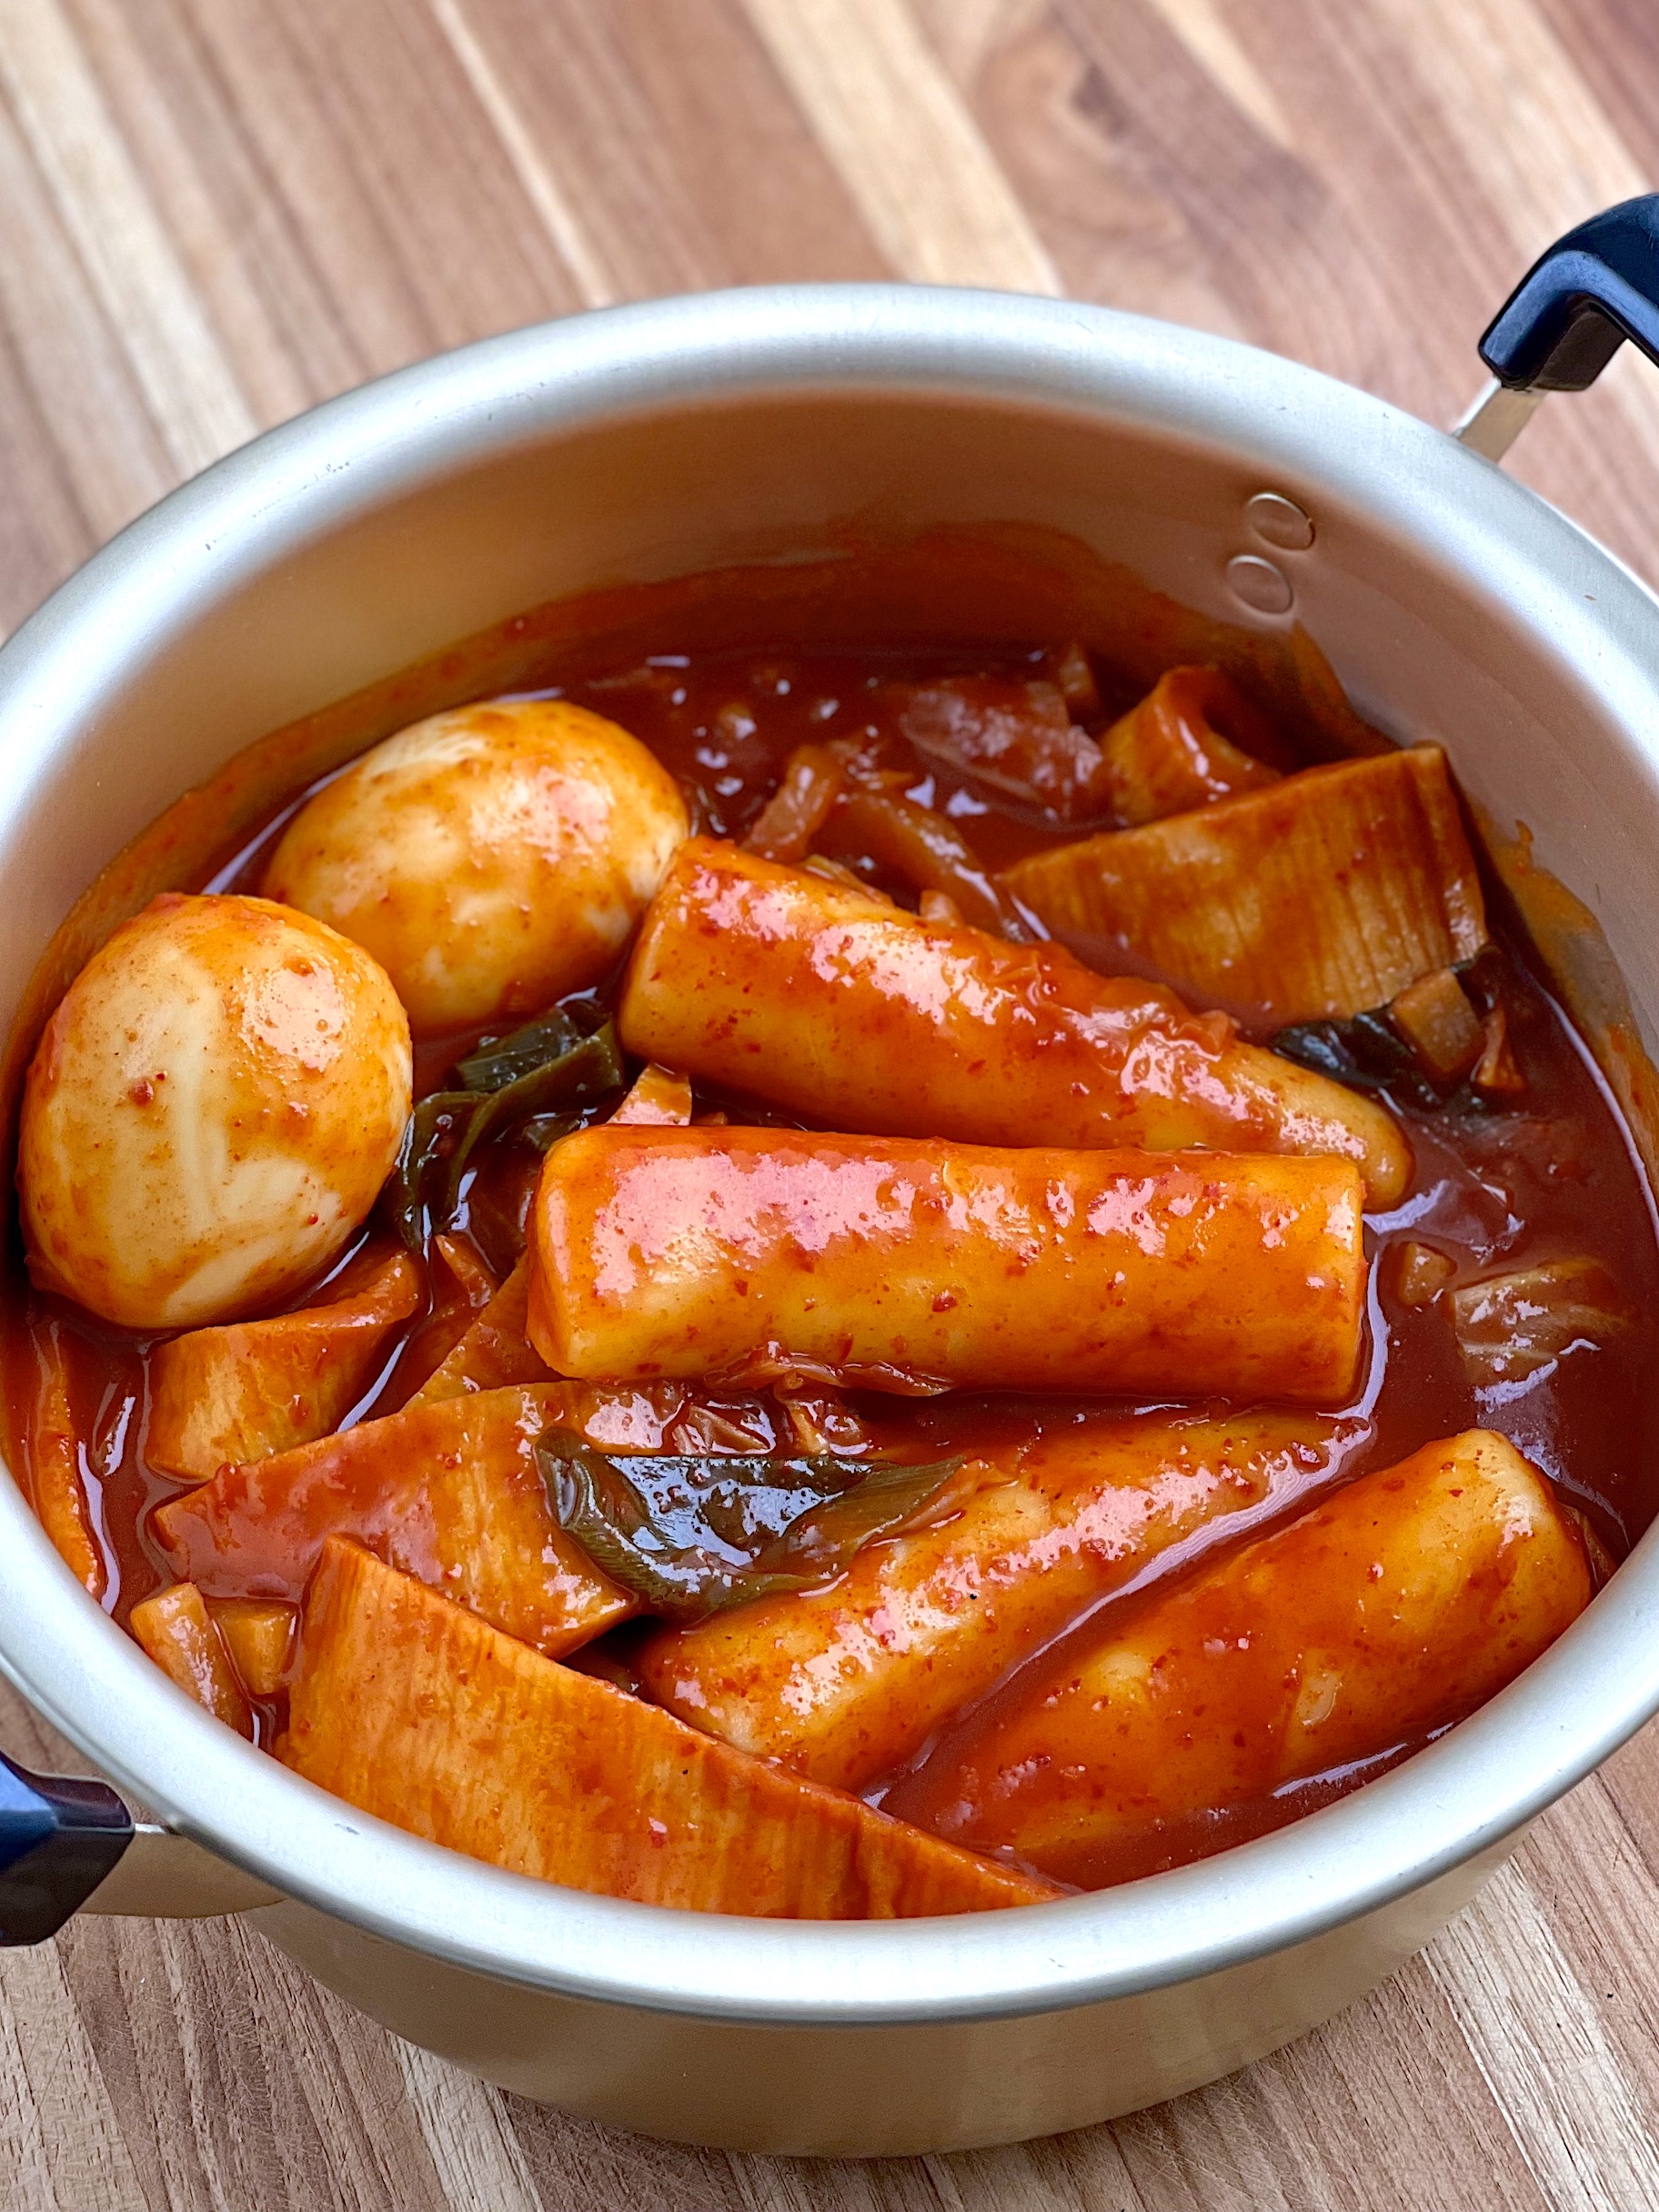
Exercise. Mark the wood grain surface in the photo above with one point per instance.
(219, 211)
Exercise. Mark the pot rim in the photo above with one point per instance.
(1317, 439)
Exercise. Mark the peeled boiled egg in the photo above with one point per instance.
(211, 1113)
(491, 858)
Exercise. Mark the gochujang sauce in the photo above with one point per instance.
(1550, 1176)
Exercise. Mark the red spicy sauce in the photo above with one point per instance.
(1555, 1177)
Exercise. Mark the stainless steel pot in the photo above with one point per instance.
(672, 438)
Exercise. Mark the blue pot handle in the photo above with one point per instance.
(1579, 302)
(58, 1839)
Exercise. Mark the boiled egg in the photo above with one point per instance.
(210, 1113)
(491, 858)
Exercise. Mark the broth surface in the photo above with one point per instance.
(1493, 1190)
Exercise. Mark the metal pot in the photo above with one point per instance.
(672, 438)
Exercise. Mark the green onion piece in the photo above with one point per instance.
(542, 1131)
(448, 1128)
(691, 1535)
(426, 1131)
(1367, 1052)
(495, 1061)
(584, 1070)
(1363, 1052)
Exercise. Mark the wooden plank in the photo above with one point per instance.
(219, 211)
(188, 384)
(669, 130)
(913, 155)
(1542, 2048)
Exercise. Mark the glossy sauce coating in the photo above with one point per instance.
(211, 1113)
(219, 1397)
(495, 1350)
(449, 1493)
(490, 859)
(1405, 1601)
(52, 1458)
(1170, 752)
(847, 1684)
(1322, 896)
(1549, 1178)
(177, 1632)
(772, 980)
(743, 1255)
(421, 1712)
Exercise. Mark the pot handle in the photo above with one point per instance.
(58, 1839)
(68, 1845)
(1567, 318)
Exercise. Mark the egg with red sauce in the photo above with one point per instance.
(211, 1113)
(491, 858)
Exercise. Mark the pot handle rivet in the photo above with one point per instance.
(1280, 521)
(1261, 584)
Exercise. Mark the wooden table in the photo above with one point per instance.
(219, 211)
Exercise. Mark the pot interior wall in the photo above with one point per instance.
(307, 641)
